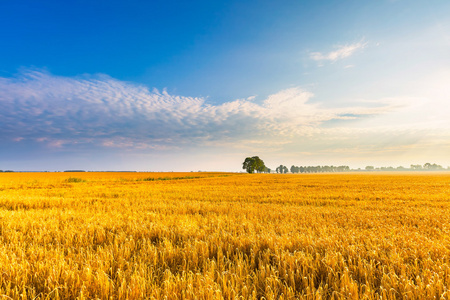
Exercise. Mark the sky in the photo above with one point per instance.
(200, 85)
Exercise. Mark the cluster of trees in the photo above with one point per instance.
(281, 169)
(427, 166)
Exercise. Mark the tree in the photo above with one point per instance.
(282, 169)
(260, 167)
(252, 164)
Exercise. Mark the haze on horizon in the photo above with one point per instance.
(200, 85)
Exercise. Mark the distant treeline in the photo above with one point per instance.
(425, 167)
(331, 169)
(315, 169)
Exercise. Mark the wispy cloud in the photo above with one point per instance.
(342, 51)
(39, 107)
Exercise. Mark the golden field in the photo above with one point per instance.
(219, 235)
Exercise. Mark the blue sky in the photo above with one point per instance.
(200, 85)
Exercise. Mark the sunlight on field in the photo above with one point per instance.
(222, 235)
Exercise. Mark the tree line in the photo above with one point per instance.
(311, 169)
(425, 167)
(256, 164)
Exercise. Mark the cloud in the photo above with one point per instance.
(97, 110)
(341, 52)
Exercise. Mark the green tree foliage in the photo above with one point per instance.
(282, 169)
(252, 164)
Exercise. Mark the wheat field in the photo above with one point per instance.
(224, 236)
